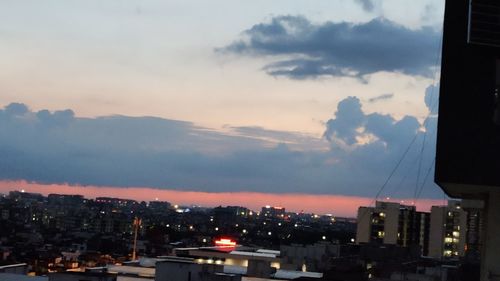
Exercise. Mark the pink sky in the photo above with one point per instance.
(337, 205)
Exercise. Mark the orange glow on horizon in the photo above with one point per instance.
(338, 205)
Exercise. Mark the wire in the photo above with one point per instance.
(425, 179)
(432, 107)
(431, 110)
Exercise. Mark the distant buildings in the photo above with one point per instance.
(272, 212)
(446, 232)
(65, 232)
(65, 200)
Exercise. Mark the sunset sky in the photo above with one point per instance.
(243, 100)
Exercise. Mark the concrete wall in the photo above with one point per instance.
(363, 225)
(436, 233)
(391, 225)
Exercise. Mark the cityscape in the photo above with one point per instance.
(69, 236)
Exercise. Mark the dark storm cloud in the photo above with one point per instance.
(57, 147)
(301, 49)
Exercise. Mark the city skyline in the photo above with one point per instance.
(343, 206)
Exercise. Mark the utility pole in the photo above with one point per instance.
(137, 224)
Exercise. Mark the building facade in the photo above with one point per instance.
(394, 224)
(448, 231)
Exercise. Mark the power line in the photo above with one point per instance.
(431, 110)
(432, 107)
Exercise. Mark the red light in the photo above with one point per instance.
(225, 242)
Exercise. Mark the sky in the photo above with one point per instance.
(269, 98)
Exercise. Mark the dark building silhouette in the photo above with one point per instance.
(468, 141)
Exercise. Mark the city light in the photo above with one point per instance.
(225, 242)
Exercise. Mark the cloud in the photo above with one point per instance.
(373, 144)
(432, 98)
(348, 119)
(367, 5)
(300, 49)
(351, 124)
(58, 147)
(294, 140)
(381, 98)
(15, 109)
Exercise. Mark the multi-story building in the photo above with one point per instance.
(475, 225)
(115, 202)
(65, 200)
(394, 224)
(230, 212)
(448, 231)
